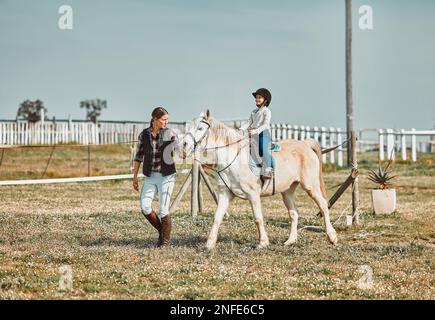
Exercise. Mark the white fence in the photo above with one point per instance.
(389, 141)
(327, 137)
(108, 132)
(404, 141)
(24, 133)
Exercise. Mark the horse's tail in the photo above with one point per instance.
(315, 146)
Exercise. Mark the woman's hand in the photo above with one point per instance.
(136, 165)
(183, 154)
(253, 132)
(135, 184)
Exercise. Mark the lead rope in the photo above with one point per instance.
(221, 170)
(339, 217)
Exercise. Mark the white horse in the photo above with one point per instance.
(298, 162)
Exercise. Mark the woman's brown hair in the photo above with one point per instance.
(158, 113)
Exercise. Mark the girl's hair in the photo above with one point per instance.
(158, 113)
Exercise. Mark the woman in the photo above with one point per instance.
(156, 150)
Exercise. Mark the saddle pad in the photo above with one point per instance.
(276, 147)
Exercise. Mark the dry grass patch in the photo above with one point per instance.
(98, 230)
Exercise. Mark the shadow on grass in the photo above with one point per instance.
(191, 241)
(186, 241)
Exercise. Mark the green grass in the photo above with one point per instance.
(98, 230)
(66, 161)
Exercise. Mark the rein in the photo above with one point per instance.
(196, 143)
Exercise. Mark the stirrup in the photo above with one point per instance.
(267, 172)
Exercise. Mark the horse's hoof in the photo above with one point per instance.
(210, 246)
(263, 244)
(332, 237)
(289, 242)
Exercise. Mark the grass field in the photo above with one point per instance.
(97, 229)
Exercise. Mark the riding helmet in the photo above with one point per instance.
(264, 93)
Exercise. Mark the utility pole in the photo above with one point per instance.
(351, 136)
(349, 99)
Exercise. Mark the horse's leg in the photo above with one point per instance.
(315, 193)
(289, 200)
(323, 206)
(259, 221)
(223, 202)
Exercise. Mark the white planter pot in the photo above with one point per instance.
(384, 201)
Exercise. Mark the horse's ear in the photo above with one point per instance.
(208, 114)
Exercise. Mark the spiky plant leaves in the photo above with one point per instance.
(382, 177)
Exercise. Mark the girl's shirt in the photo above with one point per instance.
(260, 119)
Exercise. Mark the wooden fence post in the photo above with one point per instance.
(413, 145)
(89, 160)
(331, 144)
(390, 145)
(403, 145)
(381, 145)
(284, 131)
(200, 197)
(307, 132)
(355, 190)
(316, 133)
(340, 148)
(302, 133)
(194, 207)
(323, 143)
(273, 131)
(295, 133)
(208, 183)
(182, 191)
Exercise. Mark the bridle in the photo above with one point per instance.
(206, 134)
(198, 142)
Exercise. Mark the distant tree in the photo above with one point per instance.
(93, 108)
(31, 111)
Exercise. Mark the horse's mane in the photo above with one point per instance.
(226, 135)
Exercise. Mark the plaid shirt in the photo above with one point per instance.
(156, 141)
(157, 155)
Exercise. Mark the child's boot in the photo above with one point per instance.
(266, 172)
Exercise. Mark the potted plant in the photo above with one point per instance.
(384, 196)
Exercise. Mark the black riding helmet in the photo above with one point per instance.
(265, 94)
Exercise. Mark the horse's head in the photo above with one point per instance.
(196, 137)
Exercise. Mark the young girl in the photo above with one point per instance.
(258, 129)
(156, 150)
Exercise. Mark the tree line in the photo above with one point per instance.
(32, 111)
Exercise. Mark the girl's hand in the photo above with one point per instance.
(135, 184)
(253, 132)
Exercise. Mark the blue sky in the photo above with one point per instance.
(190, 55)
